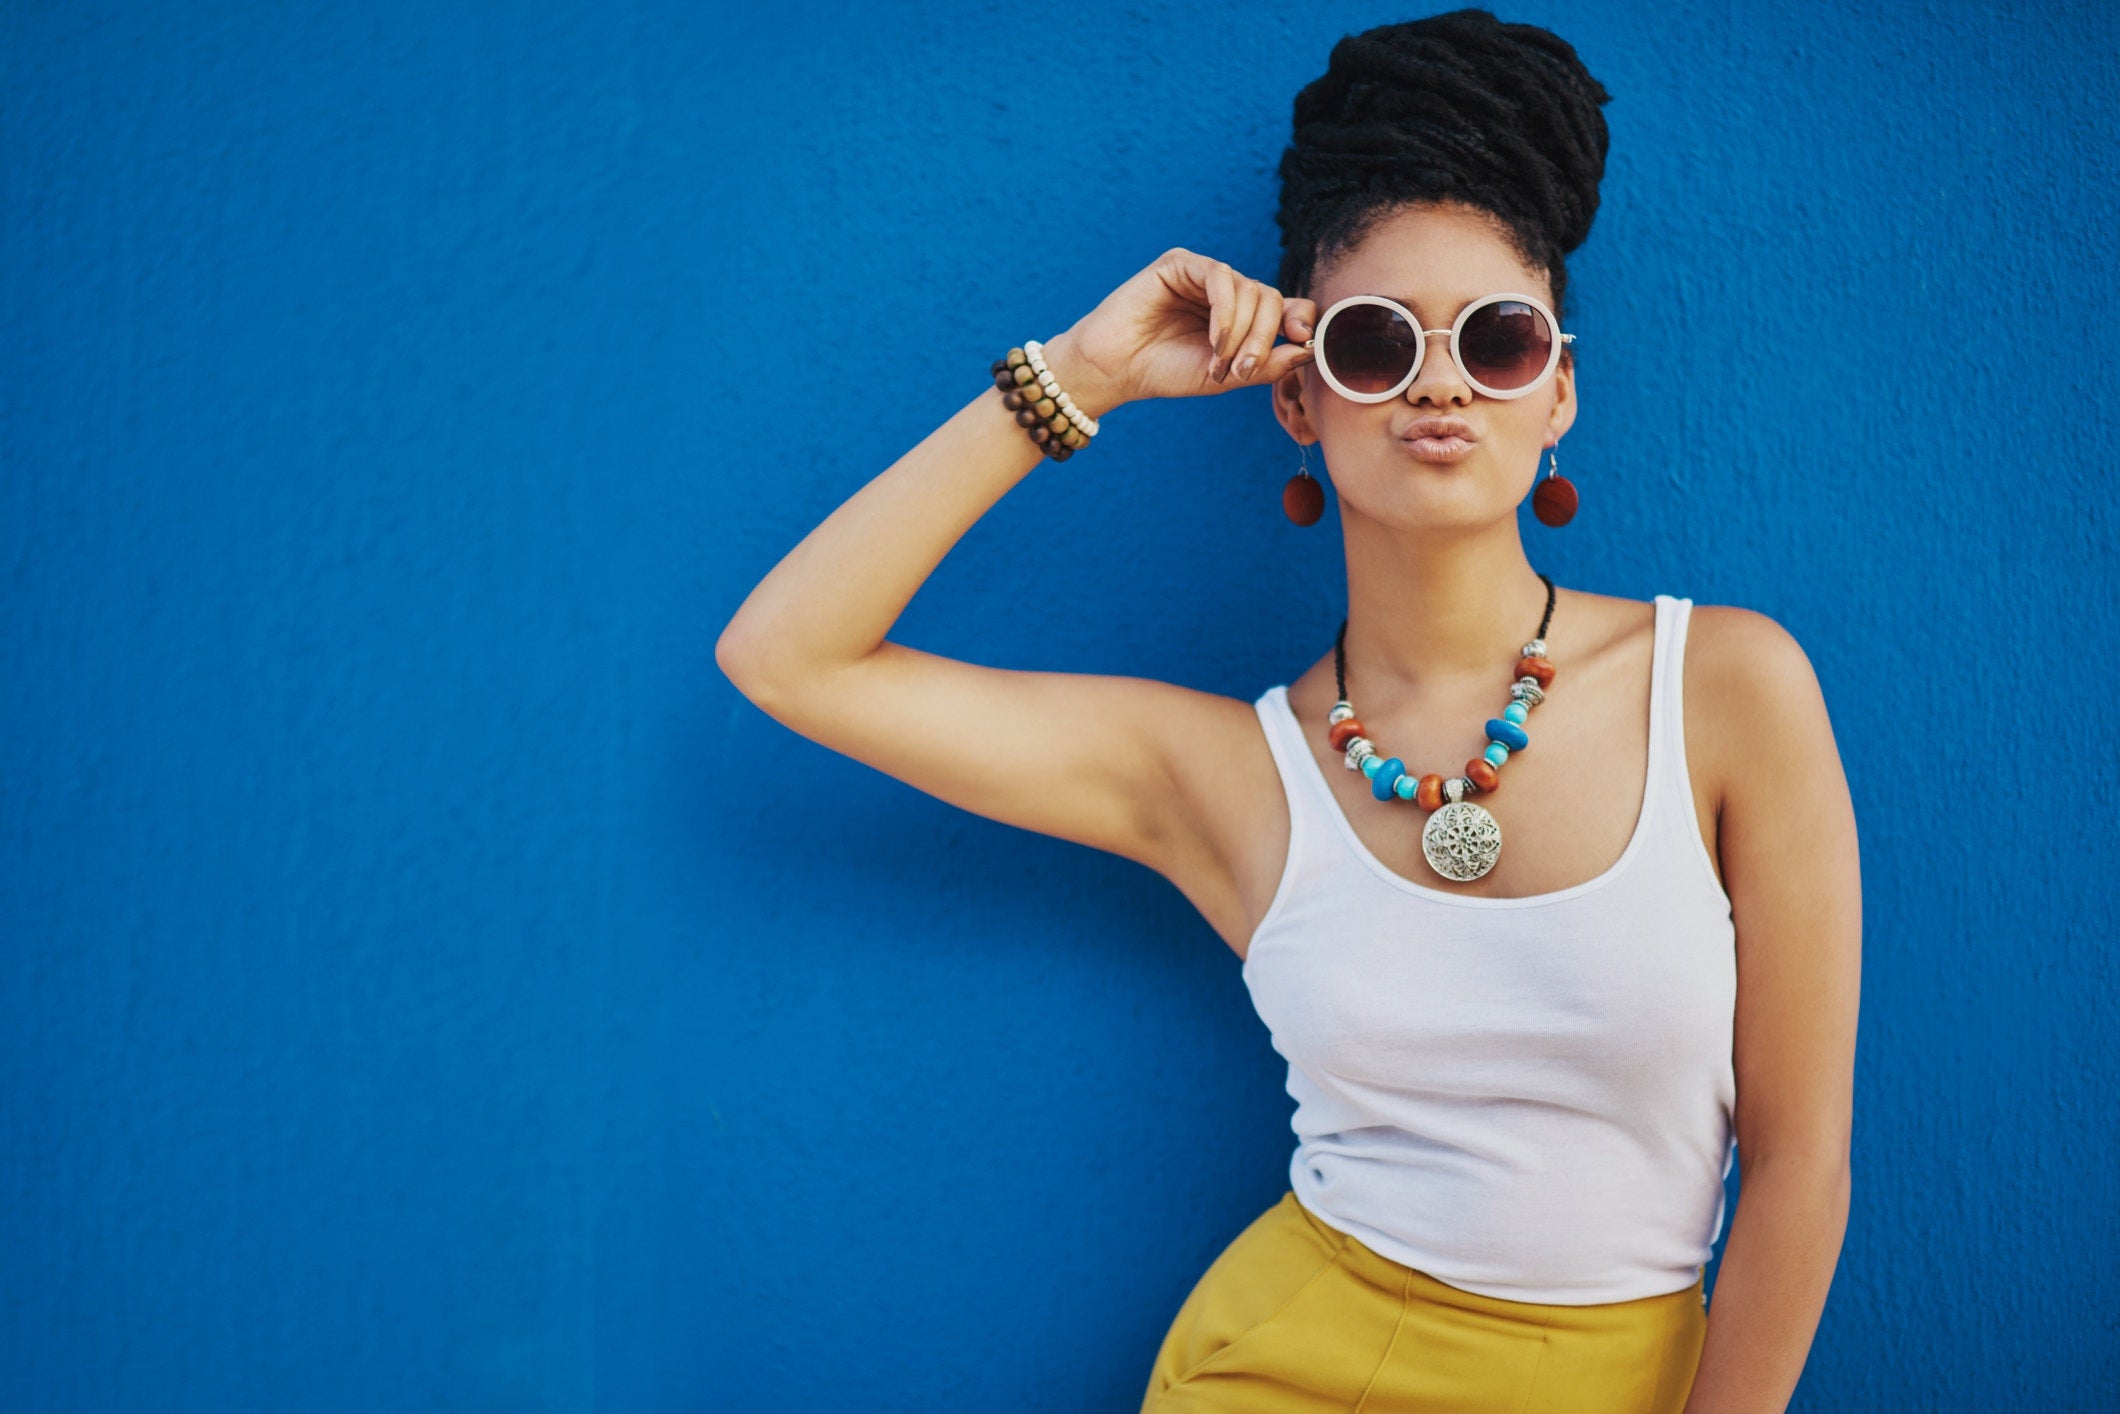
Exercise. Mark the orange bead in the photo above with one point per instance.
(1430, 794)
(1480, 771)
(1535, 668)
(1344, 732)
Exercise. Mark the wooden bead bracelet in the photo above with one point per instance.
(1041, 405)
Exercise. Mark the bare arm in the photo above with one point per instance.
(809, 644)
(1789, 854)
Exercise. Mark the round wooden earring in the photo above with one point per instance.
(1555, 500)
(1303, 498)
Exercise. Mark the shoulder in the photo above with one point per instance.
(1747, 662)
(1753, 699)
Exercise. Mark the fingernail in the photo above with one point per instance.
(1245, 366)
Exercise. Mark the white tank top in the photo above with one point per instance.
(1529, 1098)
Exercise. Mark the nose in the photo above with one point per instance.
(1439, 380)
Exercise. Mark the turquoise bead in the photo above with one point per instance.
(1406, 786)
(1515, 712)
(1372, 764)
(1496, 753)
(1508, 734)
(1385, 777)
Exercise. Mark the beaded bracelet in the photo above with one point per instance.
(1058, 427)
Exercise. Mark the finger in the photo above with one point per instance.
(1284, 360)
(1240, 319)
(1191, 276)
(1221, 284)
(1299, 319)
(1251, 352)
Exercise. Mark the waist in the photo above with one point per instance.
(1594, 1236)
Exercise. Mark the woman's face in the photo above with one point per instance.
(1434, 260)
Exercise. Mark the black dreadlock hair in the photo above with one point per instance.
(1456, 107)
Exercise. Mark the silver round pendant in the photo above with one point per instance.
(1462, 841)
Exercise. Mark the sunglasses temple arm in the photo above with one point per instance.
(1565, 338)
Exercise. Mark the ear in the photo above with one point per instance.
(1562, 417)
(1293, 392)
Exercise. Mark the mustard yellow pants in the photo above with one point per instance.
(1295, 1317)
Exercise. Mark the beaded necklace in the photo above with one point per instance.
(1461, 840)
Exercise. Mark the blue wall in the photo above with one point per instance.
(428, 984)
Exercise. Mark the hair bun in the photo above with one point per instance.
(1458, 106)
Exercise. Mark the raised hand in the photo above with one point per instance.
(1187, 324)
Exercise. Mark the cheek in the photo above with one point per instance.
(1518, 427)
(1329, 409)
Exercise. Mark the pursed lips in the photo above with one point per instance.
(1443, 440)
(1440, 428)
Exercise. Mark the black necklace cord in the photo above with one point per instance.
(1339, 642)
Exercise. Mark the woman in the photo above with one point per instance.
(1518, 1069)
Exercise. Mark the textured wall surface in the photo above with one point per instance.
(428, 984)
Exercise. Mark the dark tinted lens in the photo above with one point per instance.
(1505, 344)
(1369, 348)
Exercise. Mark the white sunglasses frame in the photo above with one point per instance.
(1420, 356)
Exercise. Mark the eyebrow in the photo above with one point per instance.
(1402, 299)
(1410, 304)
(1454, 309)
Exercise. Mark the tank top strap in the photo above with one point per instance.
(1310, 824)
(1672, 793)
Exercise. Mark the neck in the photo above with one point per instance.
(1431, 609)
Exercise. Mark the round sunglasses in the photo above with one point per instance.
(1370, 349)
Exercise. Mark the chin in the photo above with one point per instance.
(1429, 503)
